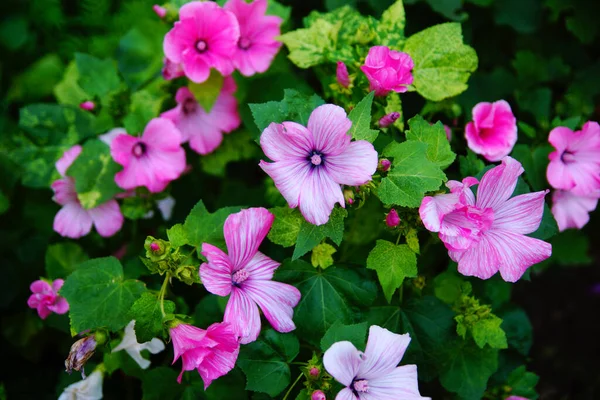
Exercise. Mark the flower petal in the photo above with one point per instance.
(329, 126)
(276, 300)
(401, 383)
(244, 232)
(72, 221)
(63, 164)
(161, 133)
(286, 141)
(216, 274)
(342, 361)
(570, 210)
(289, 177)
(355, 165)
(107, 218)
(242, 313)
(261, 267)
(481, 259)
(60, 306)
(40, 286)
(384, 351)
(433, 209)
(318, 196)
(346, 394)
(521, 214)
(498, 184)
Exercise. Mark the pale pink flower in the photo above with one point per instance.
(341, 74)
(256, 46)
(373, 374)
(160, 11)
(205, 130)
(153, 160)
(493, 131)
(45, 298)
(245, 275)
(109, 136)
(134, 349)
(388, 70)
(575, 165)
(89, 388)
(310, 164)
(487, 234)
(172, 70)
(212, 352)
(73, 221)
(571, 210)
(205, 37)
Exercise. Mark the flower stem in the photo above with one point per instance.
(291, 387)
(161, 294)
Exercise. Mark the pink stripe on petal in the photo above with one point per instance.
(61, 306)
(481, 259)
(433, 209)
(57, 284)
(342, 361)
(498, 184)
(286, 141)
(242, 313)
(244, 232)
(329, 126)
(400, 383)
(276, 300)
(40, 286)
(570, 210)
(107, 218)
(261, 267)
(318, 196)
(521, 214)
(355, 165)
(72, 221)
(559, 177)
(289, 177)
(384, 351)
(217, 364)
(162, 133)
(216, 274)
(346, 394)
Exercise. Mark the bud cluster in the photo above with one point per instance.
(162, 258)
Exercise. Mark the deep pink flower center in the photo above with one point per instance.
(139, 149)
(316, 158)
(244, 43)
(189, 106)
(154, 247)
(567, 157)
(201, 46)
(361, 386)
(239, 276)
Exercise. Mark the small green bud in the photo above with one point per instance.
(156, 249)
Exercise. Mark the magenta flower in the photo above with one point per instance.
(245, 274)
(388, 70)
(171, 70)
(256, 46)
(74, 221)
(575, 165)
(493, 131)
(392, 219)
(212, 352)
(87, 105)
(487, 234)
(389, 119)
(160, 11)
(205, 130)
(153, 160)
(45, 298)
(318, 395)
(310, 164)
(571, 210)
(205, 37)
(373, 374)
(341, 74)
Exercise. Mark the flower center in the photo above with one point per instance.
(139, 149)
(244, 43)
(189, 106)
(567, 157)
(316, 158)
(239, 276)
(201, 46)
(361, 386)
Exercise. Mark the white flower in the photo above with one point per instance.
(165, 206)
(133, 348)
(89, 388)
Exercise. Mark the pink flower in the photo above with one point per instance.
(160, 11)
(171, 70)
(205, 37)
(571, 210)
(341, 74)
(45, 298)
(212, 352)
(448, 132)
(373, 374)
(256, 46)
(493, 131)
(388, 70)
(487, 234)
(392, 219)
(310, 164)
(245, 274)
(318, 395)
(575, 165)
(205, 130)
(73, 221)
(389, 119)
(87, 105)
(153, 160)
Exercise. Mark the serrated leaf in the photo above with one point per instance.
(488, 331)
(308, 47)
(63, 258)
(355, 334)
(148, 316)
(470, 165)
(391, 27)
(438, 147)
(160, 383)
(97, 77)
(392, 263)
(99, 296)
(144, 106)
(177, 235)
(311, 235)
(522, 383)
(411, 175)
(286, 226)
(202, 226)
(321, 256)
(361, 120)
(442, 63)
(519, 331)
(68, 91)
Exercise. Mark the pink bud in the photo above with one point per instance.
(392, 220)
(342, 74)
(160, 11)
(87, 105)
(154, 247)
(349, 196)
(448, 132)
(318, 395)
(389, 119)
(314, 371)
(384, 164)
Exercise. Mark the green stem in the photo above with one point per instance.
(398, 240)
(292, 387)
(161, 294)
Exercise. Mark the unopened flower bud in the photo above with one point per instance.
(389, 119)
(314, 372)
(448, 132)
(384, 164)
(318, 395)
(81, 351)
(341, 74)
(349, 196)
(392, 219)
(160, 11)
(87, 105)
(156, 249)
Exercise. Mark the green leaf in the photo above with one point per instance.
(139, 54)
(447, 286)
(237, 146)
(571, 247)
(160, 383)
(393, 263)
(411, 175)
(524, 16)
(522, 383)
(391, 26)
(355, 334)
(468, 369)
(94, 173)
(97, 77)
(488, 331)
(99, 296)
(327, 296)
(538, 102)
(394, 104)
(202, 226)
(68, 91)
(277, 9)
(308, 47)
(266, 362)
(206, 93)
(145, 105)
(361, 120)
(177, 235)
(148, 316)
(37, 81)
(519, 331)
(37, 164)
(535, 162)
(286, 226)
(442, 62)
(438, 149)
(321, 256)
(63, 258)
(470, 165)
(548, 226)
(311, 235)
